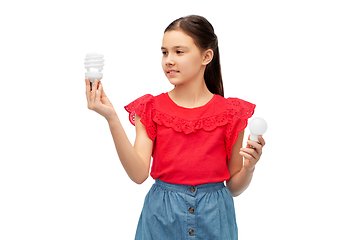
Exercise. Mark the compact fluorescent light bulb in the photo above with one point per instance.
(258, 126)
(94, 64)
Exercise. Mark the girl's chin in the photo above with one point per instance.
(173, 81)
(177, 81)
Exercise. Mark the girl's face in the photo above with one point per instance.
(182, 60)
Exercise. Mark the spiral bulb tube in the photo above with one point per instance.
(94, 63)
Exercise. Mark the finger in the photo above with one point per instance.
(97, 91)
(250, 143)
(250, 151)
(249, 158)
(102, 89)
(255, 145)
(87, 91)
(94, 86)
(261, 140)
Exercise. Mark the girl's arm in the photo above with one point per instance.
(242, 164)
(135, 159)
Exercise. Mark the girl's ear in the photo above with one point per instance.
(208, 56)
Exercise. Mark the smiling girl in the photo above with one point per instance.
(194, 136)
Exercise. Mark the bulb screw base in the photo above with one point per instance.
(254, 137)
(93, 75)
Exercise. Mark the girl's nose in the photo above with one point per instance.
(169, 61)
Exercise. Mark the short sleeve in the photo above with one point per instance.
(145, 109)
(238, 111)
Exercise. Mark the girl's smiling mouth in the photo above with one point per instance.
(171, 72)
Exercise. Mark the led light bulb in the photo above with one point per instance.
(258, 126)
(94, 63)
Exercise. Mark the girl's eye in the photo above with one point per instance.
(179, 52)
(164, 53)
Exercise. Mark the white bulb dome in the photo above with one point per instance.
(257, 126)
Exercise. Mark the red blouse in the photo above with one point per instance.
(192, 146)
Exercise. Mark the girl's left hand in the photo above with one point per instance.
(252, 153)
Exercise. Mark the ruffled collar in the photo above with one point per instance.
(189, 120)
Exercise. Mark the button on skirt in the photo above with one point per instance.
(180, 212)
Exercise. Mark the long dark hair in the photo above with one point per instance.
(202, 32)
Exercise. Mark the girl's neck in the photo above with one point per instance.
(190, 95)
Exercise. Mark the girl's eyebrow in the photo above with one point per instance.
(175, 47)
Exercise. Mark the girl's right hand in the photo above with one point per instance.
(97, 99)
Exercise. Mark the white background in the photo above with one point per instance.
(60, 177)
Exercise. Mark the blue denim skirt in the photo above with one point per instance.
(179, 212)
